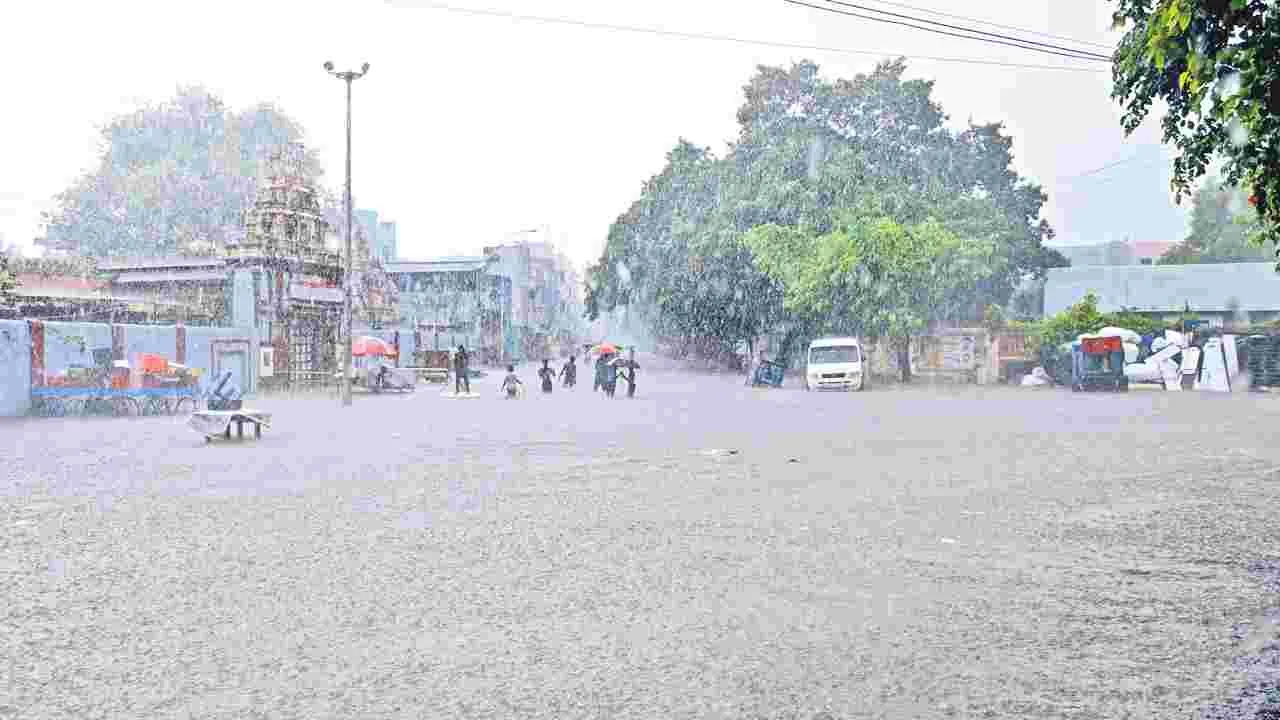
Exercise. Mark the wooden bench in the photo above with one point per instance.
(214, 423)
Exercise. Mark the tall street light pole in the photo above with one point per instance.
(348, 77)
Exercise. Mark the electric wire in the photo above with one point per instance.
(428, 5)
(944, 32)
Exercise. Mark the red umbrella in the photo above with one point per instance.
(362, 346)
(606, 348)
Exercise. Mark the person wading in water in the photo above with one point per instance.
(511, 384)
(461, 378)
(602, 370)
(548, 376)
(570, 372)
(610, 380)
(629, 374)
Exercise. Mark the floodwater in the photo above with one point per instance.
(705, 550)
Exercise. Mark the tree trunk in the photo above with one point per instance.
(904, 359)
(751, 360)
(784, 352)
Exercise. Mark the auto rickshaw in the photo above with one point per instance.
(1097, 364)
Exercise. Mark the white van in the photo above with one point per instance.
(834, 364)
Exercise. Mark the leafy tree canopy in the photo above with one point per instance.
(808, 151)
(1221, 231)
(1215, 63)
(879, 275)
(8, 282)
(172, 178)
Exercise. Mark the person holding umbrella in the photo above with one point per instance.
(602, 371)
(610, 380)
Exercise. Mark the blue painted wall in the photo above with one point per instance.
(159, 340)
(15, 367)
(200, 350)
(67, 344)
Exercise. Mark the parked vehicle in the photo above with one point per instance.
(834, 364)
(1098, 365)
(768, 374)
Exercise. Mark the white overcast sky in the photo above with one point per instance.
(469, 128)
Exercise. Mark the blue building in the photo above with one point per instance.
(383, 242)
(451, 301)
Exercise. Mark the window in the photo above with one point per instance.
(828, 355)
(1145, 261)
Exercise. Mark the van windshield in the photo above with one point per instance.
(830, 355)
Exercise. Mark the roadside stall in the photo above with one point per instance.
(114, 387)
(373, 368)
(431, 365)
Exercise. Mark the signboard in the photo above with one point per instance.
(1012, 346)
(958, 353)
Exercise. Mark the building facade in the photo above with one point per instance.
(381, 235)
(1127, 252)
(1218, 293)
(446, 302)
(546, 310)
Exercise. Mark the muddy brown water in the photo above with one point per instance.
(704, 550)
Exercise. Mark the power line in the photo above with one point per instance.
(1108, 166)
(993, 24)
(1083, 53)
(426, 5)
(939, 32)
(1071, 190)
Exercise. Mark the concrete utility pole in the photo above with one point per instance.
(347, 77)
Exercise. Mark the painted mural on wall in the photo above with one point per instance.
(947, 353)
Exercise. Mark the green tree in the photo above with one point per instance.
(655, 258)
(1216, 64)
(807, 150)
(878, 275)
(8, 279)
(172, 178)
(1221, 230)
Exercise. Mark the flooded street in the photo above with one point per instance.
(705, 550)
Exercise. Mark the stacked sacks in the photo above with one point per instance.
(1163, 364)
(1263, 360)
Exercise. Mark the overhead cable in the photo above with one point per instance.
(429, 5)
(993, 24)
(1083, 53)
(979, 38)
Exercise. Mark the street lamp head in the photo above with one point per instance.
(364, 68)
(328, 66)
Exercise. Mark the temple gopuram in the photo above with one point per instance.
(280, 281)
(286, 266)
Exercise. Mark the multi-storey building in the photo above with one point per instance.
(446, 302)
(545, 311)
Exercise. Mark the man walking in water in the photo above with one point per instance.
(461, 379)
(630, 373)
(548, 376)
(570, 372)
(511, 384)
(602, 370)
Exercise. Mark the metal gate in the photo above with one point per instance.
(311, 350)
